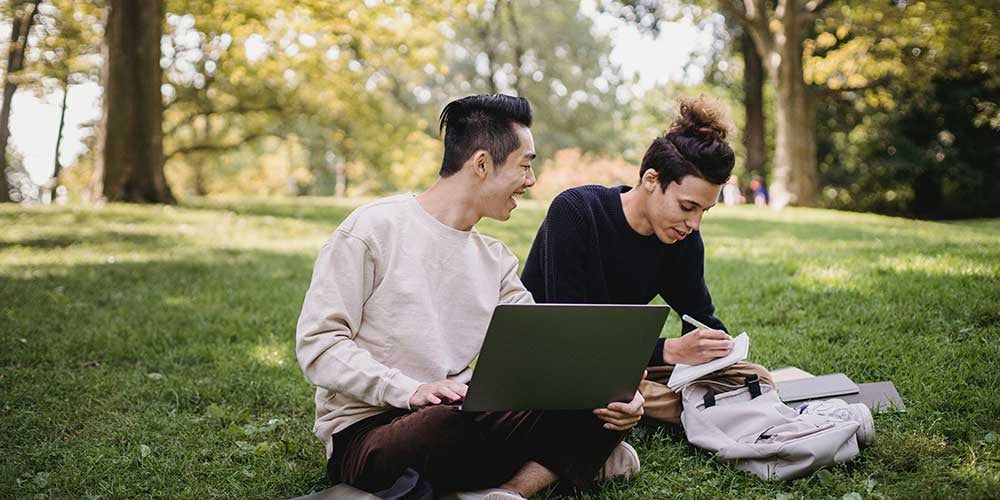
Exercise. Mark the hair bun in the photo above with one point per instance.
(702, 117)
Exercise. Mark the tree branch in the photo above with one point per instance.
(195, 148)
(814, 6)
(237, 110)
(878, 82)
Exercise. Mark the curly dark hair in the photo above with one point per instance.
(695, 144)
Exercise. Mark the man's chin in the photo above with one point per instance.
(666, 238)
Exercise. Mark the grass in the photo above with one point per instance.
(148, 351)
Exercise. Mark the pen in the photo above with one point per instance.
(695, 322)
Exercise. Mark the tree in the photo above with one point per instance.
(733, 49)
(920, 136)
(65, 53)
(547, 52)
(778, 35)
(22, 16)
(130, 163)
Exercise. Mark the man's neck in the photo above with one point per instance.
(449, 201)
(632, 206)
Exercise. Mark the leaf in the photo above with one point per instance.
(991, 437)
(216, 411)
(144, 451)
(825, 476)
(852, 496)
(155, 376)
(41, 479)
(870, 485)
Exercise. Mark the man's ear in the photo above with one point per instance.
(650, 180)
(481, 163)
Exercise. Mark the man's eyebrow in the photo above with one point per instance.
(695, 203)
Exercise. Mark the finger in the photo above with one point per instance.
(448, 394)
(645, 373)
(713, 334)
(461, 389)
(620, 419)
(715, 345)
(432, 399)
(624, 427)
(618, 406)
(608, 415)
(635, 407)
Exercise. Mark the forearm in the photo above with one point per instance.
(335, 362)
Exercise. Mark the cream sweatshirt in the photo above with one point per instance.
(397, 300)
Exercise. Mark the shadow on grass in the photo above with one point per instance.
(68, 239)
(312, 209)
(194, 360)
(218, 333)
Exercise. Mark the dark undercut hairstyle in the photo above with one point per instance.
(695, 144)
(481, 122)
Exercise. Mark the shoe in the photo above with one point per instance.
(499, 494)
(839, 409)
(623, 462)
(487, 494)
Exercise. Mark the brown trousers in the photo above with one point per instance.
(461, 451)
(664, 405)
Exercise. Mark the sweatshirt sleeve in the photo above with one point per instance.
(512, 291)
(684, 288)
(555, 271)
(343, 279)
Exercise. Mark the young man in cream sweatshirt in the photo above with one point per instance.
(400, 300)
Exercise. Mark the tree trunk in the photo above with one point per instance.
(753, 102)
(130, 163)
(57, 168)
(340, 187)
(198, 165)
(19, 30)
(795, 179)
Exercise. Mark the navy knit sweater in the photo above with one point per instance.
(585, 252)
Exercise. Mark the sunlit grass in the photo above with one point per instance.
(148, 351)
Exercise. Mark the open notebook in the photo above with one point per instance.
(683, 374)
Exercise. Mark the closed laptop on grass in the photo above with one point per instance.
(563, 356)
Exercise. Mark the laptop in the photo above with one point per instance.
(563, 356)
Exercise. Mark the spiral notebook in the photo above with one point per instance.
(685, 374)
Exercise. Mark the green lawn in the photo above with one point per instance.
(148, 351)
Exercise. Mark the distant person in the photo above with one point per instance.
(731, 194)
(759, 191)
(626, 245)
(400, 300)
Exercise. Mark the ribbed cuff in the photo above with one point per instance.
(398, 391)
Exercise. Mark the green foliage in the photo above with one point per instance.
(920, 135)
(148, 350)
(547, 52)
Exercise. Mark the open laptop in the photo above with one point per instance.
(563, 356)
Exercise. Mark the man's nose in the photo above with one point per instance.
(530, 179)
(695, 222)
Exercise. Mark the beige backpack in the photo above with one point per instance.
(749, 427)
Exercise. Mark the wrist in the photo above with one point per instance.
(668, 351)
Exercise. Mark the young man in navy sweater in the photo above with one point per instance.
(625, 245)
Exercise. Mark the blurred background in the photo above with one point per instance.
(888, 106)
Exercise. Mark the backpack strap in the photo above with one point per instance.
(709, 399)
(753, 383)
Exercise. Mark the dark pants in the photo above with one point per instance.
(462, 451)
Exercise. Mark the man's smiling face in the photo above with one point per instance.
(676, 212)
(507, 181)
